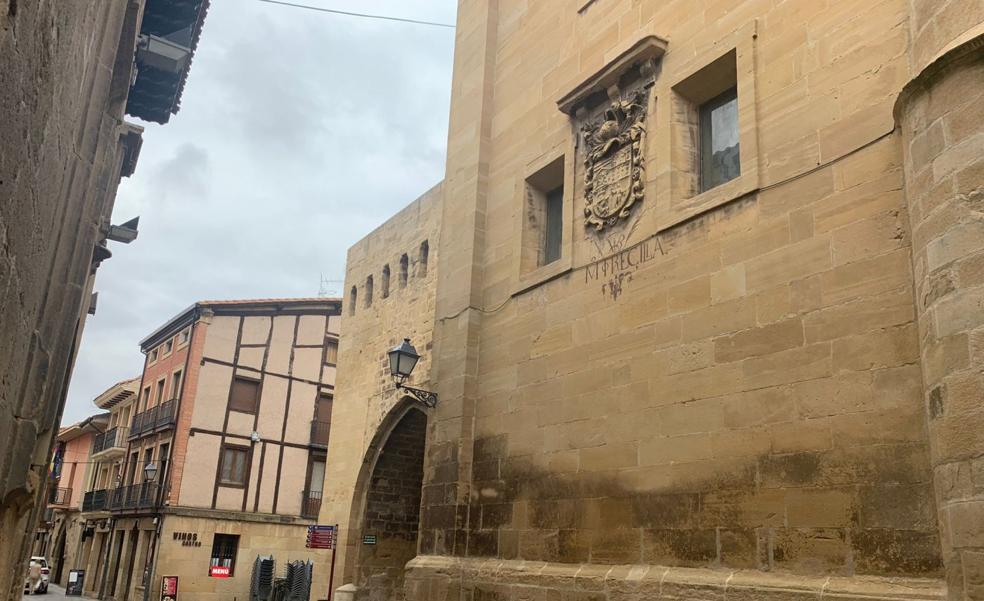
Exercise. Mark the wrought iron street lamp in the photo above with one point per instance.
(403, 359)
(150, 472)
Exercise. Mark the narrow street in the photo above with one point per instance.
(55, 593)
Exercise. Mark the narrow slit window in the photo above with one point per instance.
(385, 290)
(404, 269)
(369, 291)
(353, 299)
(553, 225)
(422, 262)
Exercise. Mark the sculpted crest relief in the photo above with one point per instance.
(614, 172)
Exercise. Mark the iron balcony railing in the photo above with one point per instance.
(95, 500)
(114, 438)
(154, 419)
(59, 496)
(311, 503)
(135, 496)
(319, 433)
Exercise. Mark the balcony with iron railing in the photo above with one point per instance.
(135, 496)
(155, 419)
(319, 433)
(59, 496)
(95, 500)
(110, 443)
(310, 503)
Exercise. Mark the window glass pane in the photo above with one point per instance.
(719, 144)
(317, 476)
(554, 226)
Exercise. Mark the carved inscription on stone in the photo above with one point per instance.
(614, 172)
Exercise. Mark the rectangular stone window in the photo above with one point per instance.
(553, 225)
(706, 116)
(719, 156)
(245, 395)
(543, 216)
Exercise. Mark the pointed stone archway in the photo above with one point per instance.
(387, 511)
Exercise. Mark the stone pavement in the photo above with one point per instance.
(55, 593)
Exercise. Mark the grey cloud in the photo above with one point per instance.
(299, 132)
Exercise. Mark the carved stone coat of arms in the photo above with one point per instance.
(614, 171)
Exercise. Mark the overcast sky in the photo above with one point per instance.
(299, 132)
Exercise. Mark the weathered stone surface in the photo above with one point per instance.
(741, 390)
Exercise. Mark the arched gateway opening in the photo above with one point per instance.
(391, 507)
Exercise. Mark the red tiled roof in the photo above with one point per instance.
(270, 301)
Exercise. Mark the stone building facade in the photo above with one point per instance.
(69, 71)
(382, 435)
(708, 307)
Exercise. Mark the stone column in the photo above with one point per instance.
(941, 115)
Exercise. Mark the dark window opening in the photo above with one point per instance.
(353, 299)
(369, 291)
(176, 385)
(553, 225)
(422, 262)
(224, 549)
(245, 395)
(386, 281)
(232, 471)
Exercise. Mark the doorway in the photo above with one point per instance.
(391, 513)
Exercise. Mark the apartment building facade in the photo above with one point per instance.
(222, 457)
(60, 534)
(707, 318)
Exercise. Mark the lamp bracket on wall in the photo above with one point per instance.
(424, 397)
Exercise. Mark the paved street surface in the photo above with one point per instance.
(55, 593)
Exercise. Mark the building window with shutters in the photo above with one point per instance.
(224, 549)
(245, 395)
(331, 352)
(233, 466)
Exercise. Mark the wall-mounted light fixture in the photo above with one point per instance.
(150, 472)
(403, 359)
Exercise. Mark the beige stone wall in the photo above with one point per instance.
(285, 542)
(60, 157)
(721, 381)
(364, 393)
(941, 116)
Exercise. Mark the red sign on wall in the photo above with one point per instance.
(169, 588)
(219, 571)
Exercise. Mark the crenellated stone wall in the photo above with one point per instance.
(367, 407)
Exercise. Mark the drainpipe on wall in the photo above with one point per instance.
(108, 547)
